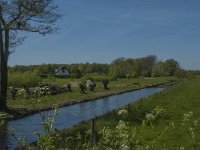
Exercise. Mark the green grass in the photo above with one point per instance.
(115, 86)
(177, 101)
(23, 106)
(18, 79)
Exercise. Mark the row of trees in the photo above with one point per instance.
(74, 69)
(131, 67)
(120, 68)
(147, 66)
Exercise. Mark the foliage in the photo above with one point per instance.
(30, 79)
(130, 67)
(1, 123)
(48, 122)
(168, 68)
(171, 125)
(119, 68)
(123, 136)
(17, 15)
(21, 141)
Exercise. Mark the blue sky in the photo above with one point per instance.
(103, 30)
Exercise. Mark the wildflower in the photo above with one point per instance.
(158, 110)
(187, 117)
(191, 131)
(171, 124)
(124, 147)
(121, 125)
(122, 112)
(181, 148)
(196, 122)
(150, 116)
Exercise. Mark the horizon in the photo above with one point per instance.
(101, 31)
(109, 63)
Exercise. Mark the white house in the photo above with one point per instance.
(62, 71)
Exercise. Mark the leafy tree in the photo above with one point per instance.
(158, 69)
(21, 15)
(171, 66)
(168, 68)
(147, 64)
(120, 68)
(46, 69)
(130, 67)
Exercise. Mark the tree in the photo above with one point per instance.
(171, 66)
(21, 15)
(167, 68)
(158, 70)
(120, 68)
(147, 65)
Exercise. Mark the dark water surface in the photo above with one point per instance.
(69, 116)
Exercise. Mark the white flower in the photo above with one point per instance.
(122, 112)
(150, 116)
(182, 148)
(171, 124)
(195, 122)
(121, 125)
(187, 117)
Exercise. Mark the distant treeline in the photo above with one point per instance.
(148, 66)
(75, 70)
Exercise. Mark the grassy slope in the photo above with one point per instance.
(181, 99)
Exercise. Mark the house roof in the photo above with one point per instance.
(61, 68)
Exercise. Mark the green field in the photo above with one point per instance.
(60, 99)
(168, 131)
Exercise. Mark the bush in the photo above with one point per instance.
(30, 79)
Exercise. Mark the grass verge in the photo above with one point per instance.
(177, 101)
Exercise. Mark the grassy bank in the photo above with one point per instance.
(25, 106)
(180, 106)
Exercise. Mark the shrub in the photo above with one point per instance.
(30, 79)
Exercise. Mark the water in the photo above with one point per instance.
(69, 116)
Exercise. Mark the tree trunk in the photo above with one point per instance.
(4, 78)
(4, 69)
(1, 50)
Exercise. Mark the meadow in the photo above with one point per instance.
(24, 104)
(167, 120)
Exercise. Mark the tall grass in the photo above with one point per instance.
(30, 79)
